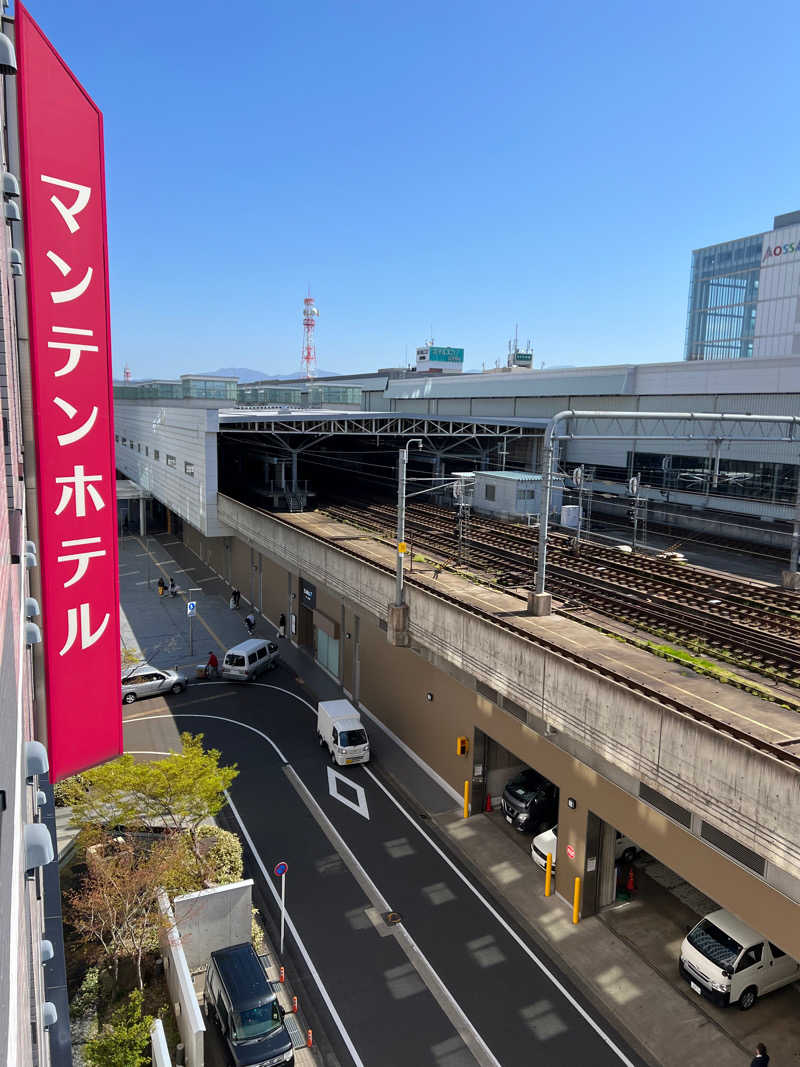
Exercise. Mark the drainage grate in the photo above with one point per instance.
(295, 1033)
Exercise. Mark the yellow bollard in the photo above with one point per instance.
(548, 875)
(466, 799)
(576, 901)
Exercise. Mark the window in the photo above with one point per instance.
(188, 468)
(146, 450)
(131, 444)
(124, 440)
(156, 454)
(488, 492)
(171, 461)
(750, 958)
(251, 659)
(139, 446)
(776, 952)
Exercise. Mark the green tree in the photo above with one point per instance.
(180, 792)
(124, 1043)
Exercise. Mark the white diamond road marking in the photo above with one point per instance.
(333, 788)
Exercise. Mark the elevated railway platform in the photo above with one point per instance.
(699, 773)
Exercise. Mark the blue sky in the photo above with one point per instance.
(461, 166)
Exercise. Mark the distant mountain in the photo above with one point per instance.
(247, 374)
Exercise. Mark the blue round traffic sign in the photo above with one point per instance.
(281, 869)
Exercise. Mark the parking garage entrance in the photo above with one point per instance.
(531, 806)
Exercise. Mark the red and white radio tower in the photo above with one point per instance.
(308, 360)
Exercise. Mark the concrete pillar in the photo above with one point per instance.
(142, 517)
(540, 603)
(397, 625)
(294, 470)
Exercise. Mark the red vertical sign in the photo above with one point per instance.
(64, 214)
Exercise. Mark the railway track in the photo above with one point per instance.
(754, 625)
(781, 754)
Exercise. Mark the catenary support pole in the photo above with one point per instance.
(402, 461)
(795, 530)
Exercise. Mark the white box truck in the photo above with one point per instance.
(339, 727)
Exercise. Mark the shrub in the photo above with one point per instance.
(221, 853)
(124, 1043)
(256, 932)
(88, 996)
(224, 857)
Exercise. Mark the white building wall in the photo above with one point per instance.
(189, 436)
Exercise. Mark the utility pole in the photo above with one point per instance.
(633, 489)
(577, 478)
(401, 515)
(795, 529)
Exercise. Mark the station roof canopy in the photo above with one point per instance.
(373, 423)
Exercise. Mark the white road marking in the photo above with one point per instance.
(418, 960)
(298, 940)
(489, 907)
(360, 804)
(528, 951)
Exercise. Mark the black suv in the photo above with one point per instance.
(530, 802)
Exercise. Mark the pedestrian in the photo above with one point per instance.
(237, 596)
(761, 1058)
(282, 626)
(250, 623)
(437, 570)
(212, 667)
(125, 526)
(173, 590)
(161, 587)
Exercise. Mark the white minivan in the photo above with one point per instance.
(247, 660)
(730, 963)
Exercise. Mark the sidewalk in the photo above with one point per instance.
(662, 1023)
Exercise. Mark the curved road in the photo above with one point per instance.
(456, 983)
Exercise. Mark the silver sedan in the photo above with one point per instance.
(145, 681)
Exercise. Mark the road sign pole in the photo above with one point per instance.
(280, 870)
(283, 908)
(191, 651)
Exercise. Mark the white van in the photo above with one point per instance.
(727, 961)
(339, 727)
(246, 661)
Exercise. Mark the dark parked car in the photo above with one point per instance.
(241, 1000)
(530, 802)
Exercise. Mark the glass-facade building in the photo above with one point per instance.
(744, 296)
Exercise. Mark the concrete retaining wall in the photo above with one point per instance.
(179, 981)
(158, 1045)
(212, 919)
(750, 796)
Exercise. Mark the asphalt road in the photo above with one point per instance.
(457, 982)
